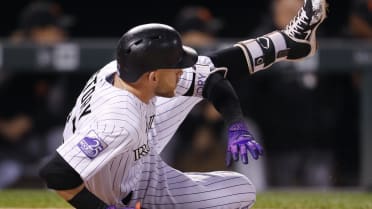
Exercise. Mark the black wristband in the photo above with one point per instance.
(86, 200)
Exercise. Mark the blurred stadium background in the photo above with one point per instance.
(314, 118)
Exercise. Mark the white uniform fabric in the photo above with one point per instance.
(113, 140)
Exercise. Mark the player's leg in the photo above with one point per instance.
(164, 187)
(224, 189)
(295, 42)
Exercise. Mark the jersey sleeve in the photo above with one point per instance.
(193, 79)
(185, 82)
(88, 151)
(170, 113)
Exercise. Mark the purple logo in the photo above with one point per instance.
(91, 146)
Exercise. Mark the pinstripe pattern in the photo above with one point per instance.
(128, 158)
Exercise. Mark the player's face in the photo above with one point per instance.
(167, 82)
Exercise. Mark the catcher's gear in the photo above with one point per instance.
(149, 47)
(239, 141)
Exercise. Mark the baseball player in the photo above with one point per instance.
(130, 109)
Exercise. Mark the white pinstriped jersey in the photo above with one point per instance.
(107, 134)
(113, 140)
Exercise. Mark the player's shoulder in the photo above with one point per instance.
(119, 117)
(120, 105)
(108, 69)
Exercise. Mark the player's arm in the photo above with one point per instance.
(60, 176)
(209, 82)
(68, 184)
(206, 81)
(221, 94)
(80, 157)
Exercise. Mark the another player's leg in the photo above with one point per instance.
(295, 42)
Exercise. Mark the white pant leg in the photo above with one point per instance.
(164, 187)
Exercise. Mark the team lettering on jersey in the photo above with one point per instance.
(200, 82)
(141, 151)
(85, 107)
(149, 124)
(145, 148)
(88, 90)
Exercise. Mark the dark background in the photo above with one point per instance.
(112, 18)
(307, 122)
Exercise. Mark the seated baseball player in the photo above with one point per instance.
(129, 110)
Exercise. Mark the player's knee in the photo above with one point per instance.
(249, 190)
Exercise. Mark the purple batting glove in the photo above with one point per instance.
(240, 142)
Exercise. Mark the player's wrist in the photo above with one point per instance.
(238, 125)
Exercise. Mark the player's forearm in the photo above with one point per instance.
(84, 199)
(220, 92)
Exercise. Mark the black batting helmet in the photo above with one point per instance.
(149, 47)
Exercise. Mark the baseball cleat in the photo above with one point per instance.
(300, 33)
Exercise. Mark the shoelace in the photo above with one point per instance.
(294, 26)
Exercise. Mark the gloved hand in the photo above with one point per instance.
(239, 141)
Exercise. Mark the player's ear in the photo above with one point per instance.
(153, 76)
